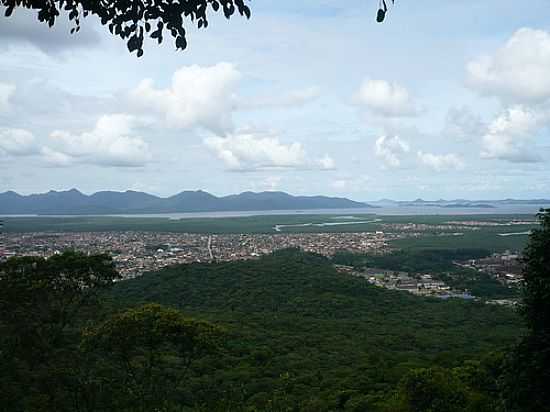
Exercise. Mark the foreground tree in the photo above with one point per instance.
(149, 350)
(42, 303)
(133, 20)
(527, 377)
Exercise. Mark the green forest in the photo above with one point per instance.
(282, 333)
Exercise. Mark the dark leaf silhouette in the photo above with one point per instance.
(129, 19)
(381, 16)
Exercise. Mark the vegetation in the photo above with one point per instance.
(291, 334)
(133, 20)
(528, 366)
(283, 333)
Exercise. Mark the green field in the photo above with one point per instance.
(487, 237)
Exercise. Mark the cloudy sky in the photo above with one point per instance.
(444, 100)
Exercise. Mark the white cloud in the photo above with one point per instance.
(198, 96)
(6, 91)
(518, 71)
(386, 99)
(441, 162)
(390, 150)
(17, 142)
(248, 150)
(509, 135)
(463, 125)
(110, 144)
(57, 159)
(271, 183)
(326, 163)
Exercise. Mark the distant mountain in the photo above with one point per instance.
(460, 203)
(73, 202)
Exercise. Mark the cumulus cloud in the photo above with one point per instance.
(6, 92)
(442, 162)
(17, 142)
(110, 143)
(55, 158)
(386, 99)
(248, 150)
(326, 163)
(509, 135)
(390, 150)
(198, 96)
(462, 124)
(518, 71)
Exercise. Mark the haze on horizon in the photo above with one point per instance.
(441, 101)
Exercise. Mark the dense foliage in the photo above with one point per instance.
(132, 20)
(282, 333)
(303, 337)
(528, 366)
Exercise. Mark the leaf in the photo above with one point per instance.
(140, 53)
(133, 43)
(181, 43)
(380, 16)
(9, 11)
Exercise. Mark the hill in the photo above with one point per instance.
(73, 202)
(293, 322)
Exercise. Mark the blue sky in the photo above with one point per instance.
(444, 100)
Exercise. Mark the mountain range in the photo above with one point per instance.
(460, 203)
(73, 202)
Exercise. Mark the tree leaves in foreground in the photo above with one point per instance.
(526, 382)
(42, 304)
(133, 20)
(154, 347)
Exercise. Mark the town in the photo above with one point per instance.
(139, 252)
(505, 267)
(135, 253)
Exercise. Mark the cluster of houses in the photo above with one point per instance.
(421, 284)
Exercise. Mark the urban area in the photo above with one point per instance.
(138, 252)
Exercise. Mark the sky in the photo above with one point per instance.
(443, 100)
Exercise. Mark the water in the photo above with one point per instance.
(383, 210)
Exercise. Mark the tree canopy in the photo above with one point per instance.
(133, 20)
(528, 367)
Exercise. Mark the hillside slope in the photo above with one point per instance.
(292, 314)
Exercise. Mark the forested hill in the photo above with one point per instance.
(293, 321)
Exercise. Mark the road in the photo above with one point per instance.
(210, 248)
